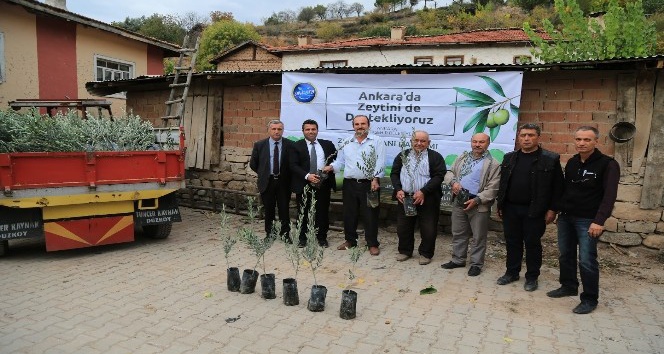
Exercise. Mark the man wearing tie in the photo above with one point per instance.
(269, 159)
(308, 156)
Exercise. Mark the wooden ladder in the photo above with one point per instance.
(179, 88)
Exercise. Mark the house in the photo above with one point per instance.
(492, 46)
(47, 52)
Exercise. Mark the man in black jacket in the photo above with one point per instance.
(420, 178)
(531, 182)
(309, 156)
(269, 159)
(591, 187)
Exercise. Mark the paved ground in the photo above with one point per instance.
(170, 297)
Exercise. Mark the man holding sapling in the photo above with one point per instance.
(474, 179)
(309, 156)
(269, 159)
(364, 152)
(417, 173)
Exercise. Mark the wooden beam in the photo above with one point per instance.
(653, 183)
(625, 112)
(645, 89)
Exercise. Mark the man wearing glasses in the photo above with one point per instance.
(591, 186)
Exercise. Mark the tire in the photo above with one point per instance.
(159, 232)
(4, 248)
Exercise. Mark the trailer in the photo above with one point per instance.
(86, 199)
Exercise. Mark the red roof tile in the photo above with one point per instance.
(478, 36)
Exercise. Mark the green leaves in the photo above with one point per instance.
(492, 117)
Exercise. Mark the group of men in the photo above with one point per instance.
(529, 186)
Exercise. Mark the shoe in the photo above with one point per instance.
(506, 279)
(344, 246)
(584, 308)
(530, 285)
(452, 265)
(402, 257)
(302, 244)
(323, 243)
(562, 292)
(374, 250)
(424, 260)
(474, 271)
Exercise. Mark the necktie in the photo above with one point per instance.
(275, 160)
(313, 159)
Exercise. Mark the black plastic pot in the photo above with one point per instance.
(267, 286)
(249, 279)
(317, 299)
(233, 279)
(348, 304)
(291, 296)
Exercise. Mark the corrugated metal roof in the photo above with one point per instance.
(656, 61)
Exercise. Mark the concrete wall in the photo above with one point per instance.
(20, 54)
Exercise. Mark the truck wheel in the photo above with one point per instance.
(4, 248)
(159, 231)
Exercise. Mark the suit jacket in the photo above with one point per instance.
(300, 161)
(260, 162)
(437, 170)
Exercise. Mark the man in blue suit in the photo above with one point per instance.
(269, 159)
(310, 155)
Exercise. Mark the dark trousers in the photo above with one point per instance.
(322, 218)
(355, 203)
(522, 231)
(427, 215)
(573, 233)
(277, 195)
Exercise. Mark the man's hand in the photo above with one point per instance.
(595, 230)
(550, 216)
(470, 203)
(375, 185)
(500, 213)
(456, 187)
(313, 178)
(418, 198)
(400, 196)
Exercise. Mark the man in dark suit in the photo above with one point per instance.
(418, 177)
(308, 156)
(269, 159)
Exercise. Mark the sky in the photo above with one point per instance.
(243, 10)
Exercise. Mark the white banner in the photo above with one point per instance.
(450, 107)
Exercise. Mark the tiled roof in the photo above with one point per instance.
(472, 37)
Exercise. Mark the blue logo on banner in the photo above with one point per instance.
(304, 92)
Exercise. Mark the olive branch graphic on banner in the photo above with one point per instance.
(494, 113)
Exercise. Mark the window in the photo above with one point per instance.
(423, 60)
(454, 60)
(2, 57)
(522, 59)
(112, 69)
(333, 64)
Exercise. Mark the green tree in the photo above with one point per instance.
(625, 33)
(328, 31)
(321, 12)
(307, 14)
(221, 36)
(531, 4)
(164, 27)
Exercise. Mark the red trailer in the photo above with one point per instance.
(85, 199)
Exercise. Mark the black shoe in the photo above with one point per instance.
(506, 279)
(323, 243)
(452, 265)
(530, 285)
(302, 244)
(474, 271)
(562, 292)
(584, 307)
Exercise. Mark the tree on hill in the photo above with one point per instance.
(221, 36)
(625, 32)
(307, 14)
(357, 8)
(163, 27)
(321, 12)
